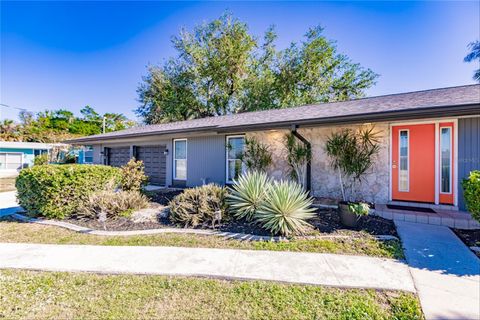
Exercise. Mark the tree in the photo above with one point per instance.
(221, 69)
(352, 153)
(472, 56)
(61, 124)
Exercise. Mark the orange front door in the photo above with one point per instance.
(413, 163)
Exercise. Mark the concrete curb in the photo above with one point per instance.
(228, 235)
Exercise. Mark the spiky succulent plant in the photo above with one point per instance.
(247, 194)
(286, 209)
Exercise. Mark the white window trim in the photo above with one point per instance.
(441, 159)
(226, 155)
(84, 152)
(408, 159)
(186, 159)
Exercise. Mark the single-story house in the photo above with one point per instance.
(430, 141)
(17, 155)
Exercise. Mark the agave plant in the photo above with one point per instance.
(285, 209)
(247, 194)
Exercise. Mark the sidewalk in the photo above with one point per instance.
(294, 267)
(446, 273)
(8, 203)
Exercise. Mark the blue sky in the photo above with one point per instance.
(70, 54)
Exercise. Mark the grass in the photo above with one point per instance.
(34, 233)
(56, 295)
(7, 184)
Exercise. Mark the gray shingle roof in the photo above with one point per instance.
(420, 101)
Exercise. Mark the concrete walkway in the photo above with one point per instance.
(446, 273)
(294, 267)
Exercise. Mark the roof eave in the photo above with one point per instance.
(417, 113)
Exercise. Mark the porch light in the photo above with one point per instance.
(165, 153)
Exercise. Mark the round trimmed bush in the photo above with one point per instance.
(56, 191)
(471, 193)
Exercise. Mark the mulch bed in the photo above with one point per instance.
(163, 197)
(470, 237)
(327, 222)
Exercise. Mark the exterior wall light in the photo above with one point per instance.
(165, 152)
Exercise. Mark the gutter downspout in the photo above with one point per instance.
(309, 163)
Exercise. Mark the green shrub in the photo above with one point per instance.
(133, 176)
(471, 193)
(56, 191)
(112, 204)
(40, 160)
(203, 205)
(285, 209)
(247, 194)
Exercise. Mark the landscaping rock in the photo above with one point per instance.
(151, 214)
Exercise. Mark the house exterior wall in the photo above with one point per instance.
(205, 160)
(325, 182)
(468, 152)
(27, 154)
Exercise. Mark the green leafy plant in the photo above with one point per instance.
(247, 194)
(203, 205)
(352, 154)
(471, 193)
(133, 176)
(360, 208)
(56, 191)
(256, 156)
(112, 203)
(41, 159)
(298, 155)
(285, 209)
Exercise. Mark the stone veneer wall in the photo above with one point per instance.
(325, 183)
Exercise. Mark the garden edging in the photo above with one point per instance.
(229, 235)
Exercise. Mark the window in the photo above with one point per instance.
(180, 159)
(403, 183)
(88, 154)
(235, 166)
(38, 152)
(446, 159)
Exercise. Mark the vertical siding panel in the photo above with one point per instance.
(468, 151)
(206, 160)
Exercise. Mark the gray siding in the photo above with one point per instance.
(468, 151)
(205, 160)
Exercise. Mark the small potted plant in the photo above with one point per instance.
(352, 154)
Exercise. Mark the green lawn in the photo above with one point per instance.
(7, 184)
(363, 245)
(42, 295)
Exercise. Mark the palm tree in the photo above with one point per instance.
(474, 55)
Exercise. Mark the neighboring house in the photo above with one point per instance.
(17, 155)
(430, 141)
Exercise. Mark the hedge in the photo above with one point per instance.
(471, 193)
(55, 191)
